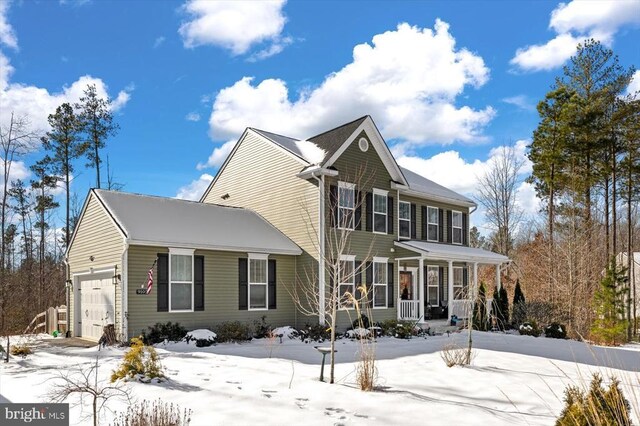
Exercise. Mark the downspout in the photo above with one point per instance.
(321, 268)
(469, 225)
(65, 260)
(125, 290)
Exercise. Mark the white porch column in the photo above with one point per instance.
(498, 276)
(450, 288)
(421, 289)
(398, 297)
(474, 292)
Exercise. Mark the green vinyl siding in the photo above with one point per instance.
(420, 202)
(97, 237)
(220, 292)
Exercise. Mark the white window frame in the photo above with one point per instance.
(453, 213)
(352, 283)
(430, 286)
(401, 219)
(458, 285)
(374, 284)
(182, 252)
(258, 257)
(429, 223)
(346, 186)
(385, 194)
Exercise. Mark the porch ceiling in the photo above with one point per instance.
(451, 252)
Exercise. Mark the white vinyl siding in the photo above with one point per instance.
(405, 219)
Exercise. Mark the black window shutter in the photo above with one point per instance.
(333, 204)
(357, 279)
(358, 219)
(369, 282)
(441, 225)
(465, 230)
(449, 227)
(163, 282)
(443, 291)
(369, 210)
(243, 285)
(424, 222)
(272, 283)
(465, 276)
(198, 283)
(390, 215)
(413, 221)
(390, 285)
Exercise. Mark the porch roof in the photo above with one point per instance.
(451, 252)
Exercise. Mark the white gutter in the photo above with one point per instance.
(407, 191)
(321, 269)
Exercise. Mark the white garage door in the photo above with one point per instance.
(97, 304)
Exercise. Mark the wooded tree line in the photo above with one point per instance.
(586, 170)
(32, 272)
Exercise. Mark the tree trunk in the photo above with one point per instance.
(97, 161)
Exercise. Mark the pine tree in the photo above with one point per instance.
(503, 297)
(480, 310)
(609, 326)
(96, 120)
(519, 306)
(63, 144)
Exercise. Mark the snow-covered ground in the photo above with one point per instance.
(512, 380)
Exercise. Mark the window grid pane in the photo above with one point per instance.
(433, 215)
(405, 210)
(181, 269)
(380, 203)
(180, 296)
(257, 296)
(380, 296)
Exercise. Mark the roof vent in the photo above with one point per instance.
(225, 196)
(363, 144)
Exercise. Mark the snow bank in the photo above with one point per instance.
(202, 337)
(357, 333)
(286, 331)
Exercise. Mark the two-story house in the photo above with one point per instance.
(264, 227)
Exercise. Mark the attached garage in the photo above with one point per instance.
(96, 309)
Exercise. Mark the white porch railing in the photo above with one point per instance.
(409, 309)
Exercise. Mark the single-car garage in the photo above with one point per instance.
(97, 304)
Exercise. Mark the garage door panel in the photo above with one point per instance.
(97, 304)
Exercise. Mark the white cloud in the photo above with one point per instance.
(218, 155)
(407, 79)
(520, 101)
(7, 35)
(634, 86)
(158, 42)
(195, 189)
(234, 25)
(19, 170)
(454, 172)
(573, 23)
(193, 116)
(276, 47)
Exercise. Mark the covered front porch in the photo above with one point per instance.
(440, 280)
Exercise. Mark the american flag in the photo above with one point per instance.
(150, 280)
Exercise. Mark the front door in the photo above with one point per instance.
(406, 285)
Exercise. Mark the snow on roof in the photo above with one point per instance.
(180, 223)
(453, 252)
(421, 184)
(311, 152)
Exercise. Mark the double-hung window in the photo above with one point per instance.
(458, 284)
(346, 281)
(380, 282)
(405, 219)
(433, 285)
(379, 211)
(456, 227)
(180, 280)
(257, 281)
(432, 224)
(346, 205)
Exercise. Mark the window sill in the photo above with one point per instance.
(180, 310)
(380, 307)
(433, 241)
(258, 309)
(380, 232)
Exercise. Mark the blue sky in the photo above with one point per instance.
(446, 82)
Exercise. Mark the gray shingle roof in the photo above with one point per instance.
(180, 223)
(453, 252)
(426, 186)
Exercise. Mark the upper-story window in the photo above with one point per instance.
(346, 204)
(456, 227)
(405, 219)
(379, 211)
(432, 224)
